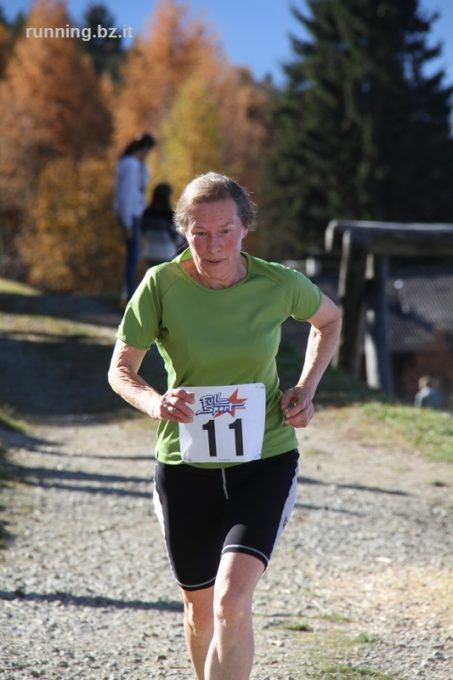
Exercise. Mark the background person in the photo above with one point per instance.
(215, 314)
(428, 395)
(160, 239)
(129, 203)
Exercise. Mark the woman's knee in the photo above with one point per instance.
(198, 610)
(235, 586)
(231, 609)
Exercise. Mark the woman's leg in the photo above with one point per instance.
(198, 625)
(231, 651)
(132, 258)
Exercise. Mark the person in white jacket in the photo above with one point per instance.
(132, 177)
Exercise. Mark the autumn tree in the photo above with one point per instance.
(190, 136)
(174, 47)
(50, 103)
(50, 107)
(74, 243)
(205, 113)
(243, 113)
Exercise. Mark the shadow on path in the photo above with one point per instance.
(353, 487)
(97, 601)
(82, 308)
(327, 508)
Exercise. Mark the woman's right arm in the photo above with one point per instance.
(124, 380)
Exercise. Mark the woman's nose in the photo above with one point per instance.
(214, 241)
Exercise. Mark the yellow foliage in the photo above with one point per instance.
(75, 243)
(55, 122)
(190, 136)
(158, 65)
(244, 127)
(50, 102)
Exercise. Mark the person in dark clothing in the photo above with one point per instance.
(160, 239)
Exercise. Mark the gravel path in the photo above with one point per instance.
(364, 569)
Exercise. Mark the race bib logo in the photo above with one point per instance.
(216, 405)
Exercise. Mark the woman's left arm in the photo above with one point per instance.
(297, 402)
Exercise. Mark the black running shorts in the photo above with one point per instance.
(205, 512)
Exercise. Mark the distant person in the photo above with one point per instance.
(129, 203)
(428, 395)
(160, 242)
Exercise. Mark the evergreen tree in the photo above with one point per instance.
(360, 130)
(106, 51)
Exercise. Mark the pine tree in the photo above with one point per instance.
(107, 53)
(360, 130)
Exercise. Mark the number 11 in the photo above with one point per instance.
(238, 440)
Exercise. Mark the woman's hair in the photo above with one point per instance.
(160, 205)
(209, 188)
(139, 142)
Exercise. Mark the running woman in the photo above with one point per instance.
(227, 459)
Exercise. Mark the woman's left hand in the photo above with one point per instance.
(298, 406)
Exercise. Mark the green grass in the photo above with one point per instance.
(424, 431)
(366, 639)
(15, 287)
(331, 653)
(298, 626)
(9, 422)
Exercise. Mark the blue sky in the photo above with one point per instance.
(253, 33)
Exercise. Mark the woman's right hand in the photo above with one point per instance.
(173, 405)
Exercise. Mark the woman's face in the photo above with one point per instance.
(215, 236)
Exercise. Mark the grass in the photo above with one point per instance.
(368, 417)
(391, 427)
(425, 431)
(15, 287)
(298, 626)
(332, 654)
(9, 422)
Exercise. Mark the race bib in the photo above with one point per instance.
(228, 424)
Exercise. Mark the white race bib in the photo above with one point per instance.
(228, 424)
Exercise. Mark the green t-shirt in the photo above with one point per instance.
(227, 336)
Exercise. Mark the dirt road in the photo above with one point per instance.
(360, 584)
